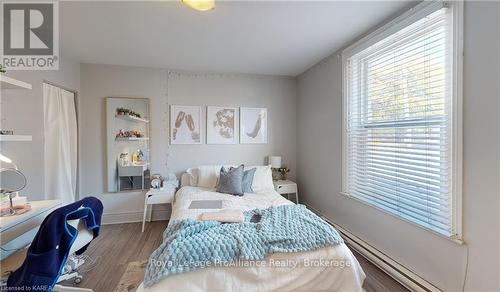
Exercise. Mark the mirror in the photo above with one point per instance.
(127, 144)
(11, 180)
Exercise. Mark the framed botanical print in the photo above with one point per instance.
(221, 125)
(253, 125)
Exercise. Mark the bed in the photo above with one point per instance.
(331, 268)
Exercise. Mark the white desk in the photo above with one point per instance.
(14, 226)
(131, 171)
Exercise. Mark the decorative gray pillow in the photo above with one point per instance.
(248, 180)
(230, 181)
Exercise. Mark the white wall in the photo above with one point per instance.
(438, 260)
(22, 111)
(278, 94)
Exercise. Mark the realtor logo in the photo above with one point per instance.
(30, 35)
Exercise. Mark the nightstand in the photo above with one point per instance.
(153, 196)
(287, 187)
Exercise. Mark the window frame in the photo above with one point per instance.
(417, 12)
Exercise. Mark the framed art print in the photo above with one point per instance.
(253, 125)
(221, 125)
(185, 124)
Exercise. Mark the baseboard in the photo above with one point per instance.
(398, 272)
(132, 217)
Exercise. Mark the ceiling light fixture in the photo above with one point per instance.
(200, 5)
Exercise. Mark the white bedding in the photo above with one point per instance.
(330, 269)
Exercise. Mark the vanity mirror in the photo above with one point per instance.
(11, 182)
(127, 144)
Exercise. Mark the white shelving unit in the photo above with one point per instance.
(132, 118)
(15, 138)
(132, 139)
(11, 83)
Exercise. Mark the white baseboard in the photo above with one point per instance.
(398, 272)
(132, 217)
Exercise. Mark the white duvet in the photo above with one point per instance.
(331, 268)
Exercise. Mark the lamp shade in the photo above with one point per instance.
(275, 161)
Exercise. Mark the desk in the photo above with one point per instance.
(14, 226)
(131, 171)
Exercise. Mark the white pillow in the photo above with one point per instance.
(262, 179)
(208, 175)
(193, 176)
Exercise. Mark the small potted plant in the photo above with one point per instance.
(120, 111)
(2, 69)
(283, 171)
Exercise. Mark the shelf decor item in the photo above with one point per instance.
(127, 112)
(129, 134)
(185, 124)
(122, 111)
(221, 125)
(253, 125)
(6, 132)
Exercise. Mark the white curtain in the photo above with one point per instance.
(60, 143)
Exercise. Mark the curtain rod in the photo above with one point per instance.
(62, 87)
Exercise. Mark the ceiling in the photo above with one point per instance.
(276, 38)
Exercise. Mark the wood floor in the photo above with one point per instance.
(119, 244)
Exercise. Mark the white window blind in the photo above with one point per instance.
(399, 119)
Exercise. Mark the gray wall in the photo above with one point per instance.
(278, 94)
(436, 259)
(22, 111)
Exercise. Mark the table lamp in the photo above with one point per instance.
(275, 162)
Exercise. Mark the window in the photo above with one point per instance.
(402, 118)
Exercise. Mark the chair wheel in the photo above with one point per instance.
(78, 279)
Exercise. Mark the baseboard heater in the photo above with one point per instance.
(399, 273)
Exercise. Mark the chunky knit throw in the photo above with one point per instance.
(189, 244)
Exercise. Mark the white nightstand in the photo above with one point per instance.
(165, 196)
(287, 187)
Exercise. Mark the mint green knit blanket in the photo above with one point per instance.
(190, 245)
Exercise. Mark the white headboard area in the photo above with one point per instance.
(208, 175)
(185, 179)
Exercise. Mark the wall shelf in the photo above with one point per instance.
(11, 83)
(132, 118)
(132, 139)
(15, 138)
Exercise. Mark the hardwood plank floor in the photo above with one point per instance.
(116, 246)
(376, 279)
(120, 244)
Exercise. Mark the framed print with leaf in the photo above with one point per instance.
(253, 125)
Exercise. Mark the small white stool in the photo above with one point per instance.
(153, 196)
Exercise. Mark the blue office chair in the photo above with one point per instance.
(67, 230)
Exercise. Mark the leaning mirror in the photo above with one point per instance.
(127, 144)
